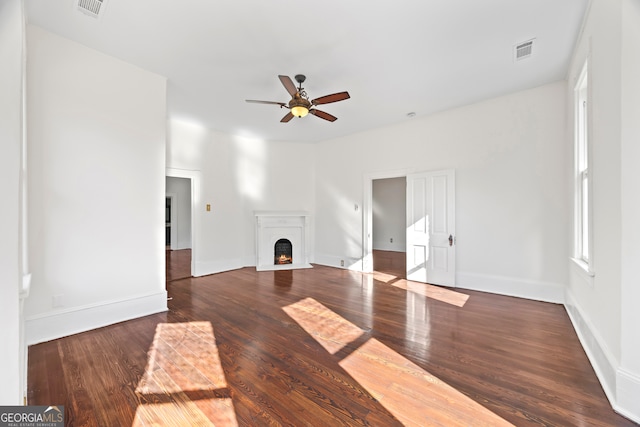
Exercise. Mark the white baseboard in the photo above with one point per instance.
(204, 268)
(621, 387)
(628, 395)
(58, 324)
(598, 353)
(354, 264)
(512, 286)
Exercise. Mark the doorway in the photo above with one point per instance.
(194, 178)
(178, 207)
(430, 225)
(388, 226)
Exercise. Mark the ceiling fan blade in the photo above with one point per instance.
(334, 97)
(288, 85)
(323, 115)
(287, 117)
(253, 101)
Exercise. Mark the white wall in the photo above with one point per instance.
(181, 209)
(11, 66)
(628, 386)
(96, 153)
(600, 297)
(603, 308)
(509, 158)
(208, 158)
(389, 212)
(238, 176)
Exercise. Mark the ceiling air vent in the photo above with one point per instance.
(523, 50)
(93, 8)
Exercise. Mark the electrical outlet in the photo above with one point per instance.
(391, 240)
(341, 263)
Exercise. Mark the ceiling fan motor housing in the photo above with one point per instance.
(299, 101)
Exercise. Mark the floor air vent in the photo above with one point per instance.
(93, 8)
(523, 50)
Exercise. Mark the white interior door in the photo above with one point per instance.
(431, 255)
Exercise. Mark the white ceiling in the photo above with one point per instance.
(394, 57)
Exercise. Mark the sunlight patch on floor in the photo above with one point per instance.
(184, 379)
(411, 394)
(328, 328)
(384, 277)
(434, 292)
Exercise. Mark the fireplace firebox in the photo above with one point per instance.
(283, 252)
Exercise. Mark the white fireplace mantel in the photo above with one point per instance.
(274, 225)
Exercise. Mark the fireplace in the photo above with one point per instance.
(283, 252)
(281, 240)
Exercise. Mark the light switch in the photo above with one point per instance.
(208, 207)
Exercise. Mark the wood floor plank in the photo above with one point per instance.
(39, 369)
(325, 346)
(178, 264)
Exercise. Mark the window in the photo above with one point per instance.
(583, 242)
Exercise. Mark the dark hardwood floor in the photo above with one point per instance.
(325, 347)
(390, 262)
(178, 264)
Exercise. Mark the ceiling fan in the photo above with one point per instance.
(300, 105)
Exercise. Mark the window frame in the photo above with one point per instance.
(583, 180)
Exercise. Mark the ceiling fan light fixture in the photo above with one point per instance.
(300, 105)
(299, 111)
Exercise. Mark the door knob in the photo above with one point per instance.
(450, 240)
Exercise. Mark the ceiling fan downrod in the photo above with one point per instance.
(300, 78)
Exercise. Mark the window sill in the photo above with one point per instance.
(583, 269)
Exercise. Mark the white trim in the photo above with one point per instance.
(62, 323)
(512, 286)
(353, 264)
(602, 360)
(628, 395)
(583, 269)
(25, 286)
(621, 387)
